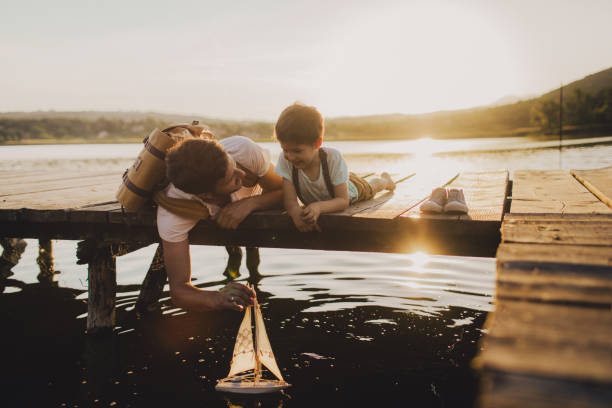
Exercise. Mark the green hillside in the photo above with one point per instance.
(587, 110)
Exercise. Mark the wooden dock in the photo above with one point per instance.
(549, 340)
(83, 206)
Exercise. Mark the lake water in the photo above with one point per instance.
(348, 329)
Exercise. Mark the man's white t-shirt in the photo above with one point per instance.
(175, 228)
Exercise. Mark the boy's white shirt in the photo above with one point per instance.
(175, 228)
(313, 191)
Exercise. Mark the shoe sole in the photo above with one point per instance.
(455, 206)
(431, 207)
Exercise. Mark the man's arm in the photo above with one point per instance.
(184, 295)
(234, 213)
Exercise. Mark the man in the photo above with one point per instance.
(228, 180)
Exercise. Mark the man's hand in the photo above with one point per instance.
(311, 213)
(233, 214)
(235, 296)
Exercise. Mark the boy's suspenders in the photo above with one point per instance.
(326, 177)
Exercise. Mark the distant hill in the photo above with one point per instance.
(590, 84)
(512, 119)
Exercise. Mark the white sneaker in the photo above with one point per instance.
(436, 201)
(456, 201)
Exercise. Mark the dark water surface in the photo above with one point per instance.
(347, 329)
(365, 329)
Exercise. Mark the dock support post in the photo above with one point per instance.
(252, 261)
(102, 277)
(153, 284)
(13, 248)
(45, 261)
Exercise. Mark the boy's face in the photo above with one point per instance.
(231, 181)
(300, 155)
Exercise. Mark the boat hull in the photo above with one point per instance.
(250, 387)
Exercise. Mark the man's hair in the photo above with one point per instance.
(299, 124)
(195, 165)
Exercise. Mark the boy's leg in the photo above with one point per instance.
(381, 183)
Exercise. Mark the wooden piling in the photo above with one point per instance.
(45, 261)
(153, 284)
(102, 278)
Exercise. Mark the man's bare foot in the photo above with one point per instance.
(389, 184)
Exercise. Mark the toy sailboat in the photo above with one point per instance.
(245, 375)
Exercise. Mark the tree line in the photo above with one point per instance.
(581, 110)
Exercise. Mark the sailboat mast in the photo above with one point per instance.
(257, 361)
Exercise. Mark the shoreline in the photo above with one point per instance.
(131, 140)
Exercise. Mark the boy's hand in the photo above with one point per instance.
(302, 226)
(311, 213)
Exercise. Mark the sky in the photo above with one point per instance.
(250, 59)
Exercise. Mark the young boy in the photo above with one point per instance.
(317, 176)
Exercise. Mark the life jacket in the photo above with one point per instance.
(148, 172)
(326, 177)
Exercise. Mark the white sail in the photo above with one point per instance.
(244, 354)
(264, 349)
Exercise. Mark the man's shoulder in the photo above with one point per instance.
(238, 142)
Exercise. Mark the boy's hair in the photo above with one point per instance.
(195, 165)
(299, 124)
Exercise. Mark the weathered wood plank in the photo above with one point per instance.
(509, 390)
(549, 340)
(38, 186)
(546, 230)
(599, 182)
(407, 194)
(65, 199)
(552, 191)
(93, 213)
(553, 273)
(485, 195)
(405, 183)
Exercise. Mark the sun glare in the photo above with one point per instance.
(419, 258)
(422, 58)
(424, 146)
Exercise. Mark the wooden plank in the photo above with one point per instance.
(509, 390)
(551, 273)
(552, 191)
(94, 213)
(407, 194)
(381, 198)
(69, 198)
(485, 195)
(546, 230)
(599, 182)
(553, 341)
(19, 178)
(28, 187)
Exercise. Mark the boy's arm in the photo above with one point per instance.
(234, 213)
(293, 208)
(338, 203)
